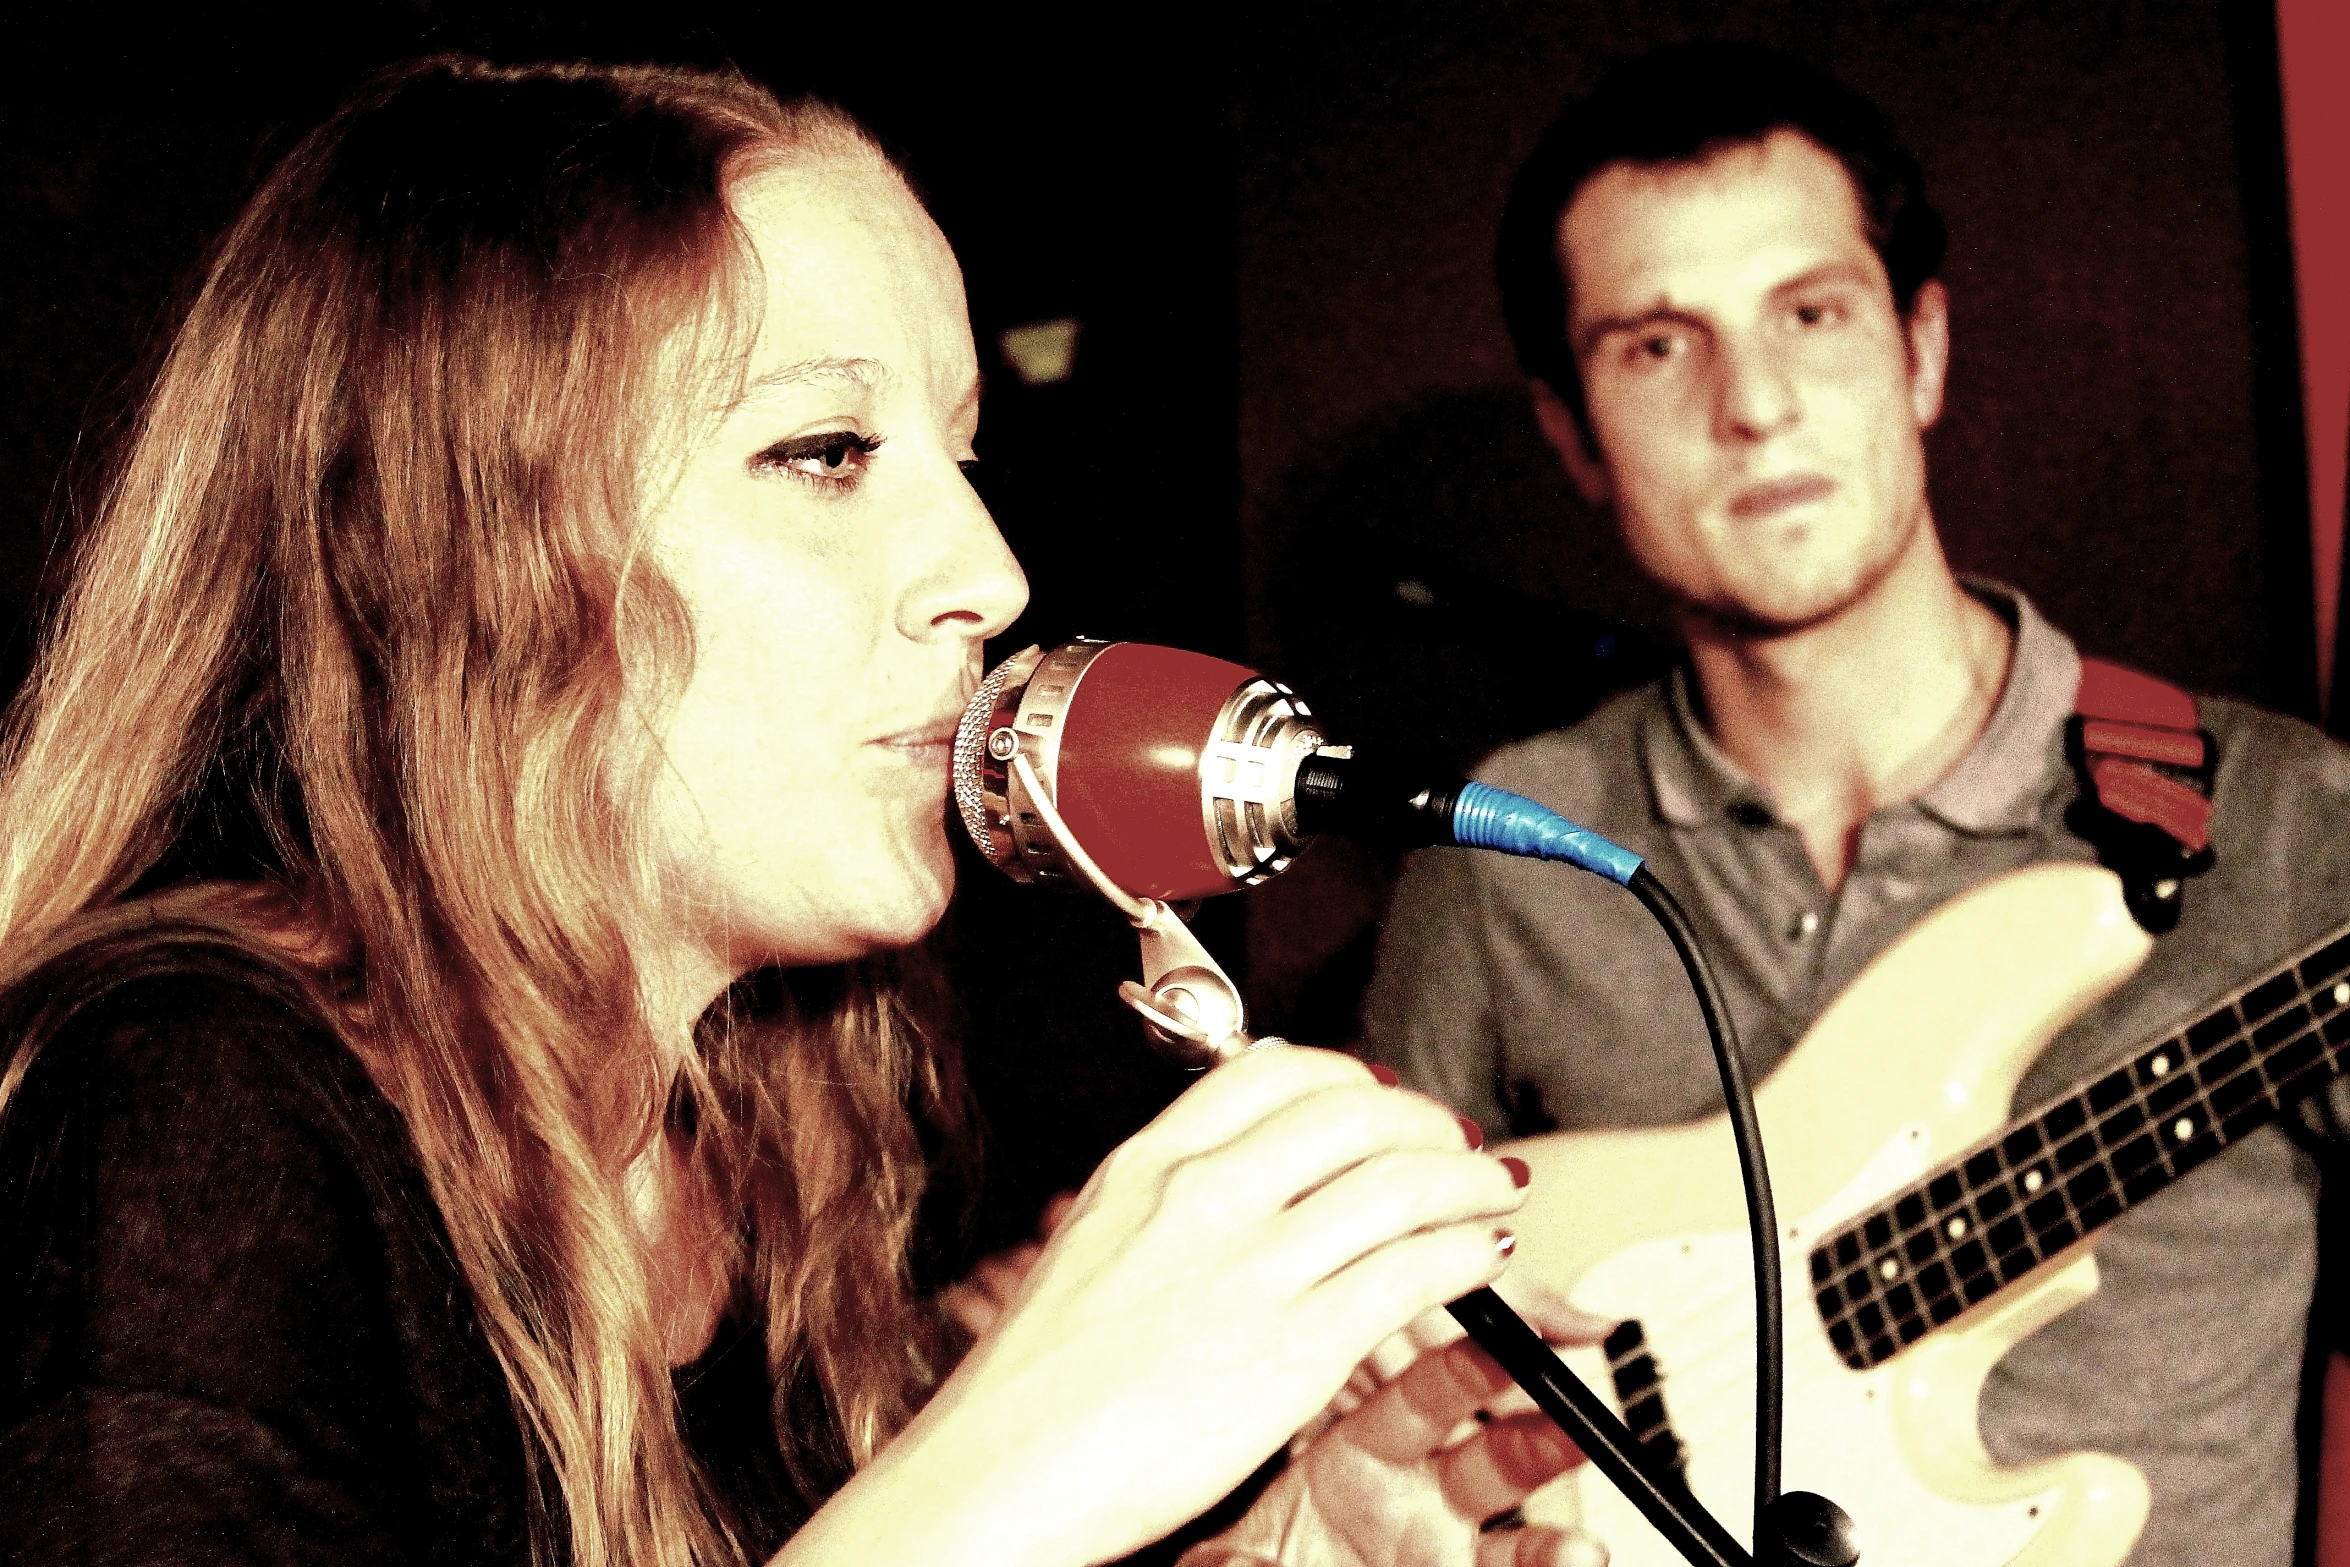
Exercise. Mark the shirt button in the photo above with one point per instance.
(1805, 924)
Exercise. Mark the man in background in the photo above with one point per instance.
(1720, 272)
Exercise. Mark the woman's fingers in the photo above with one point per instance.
(1303, 1145)
(1360, 1303)
(1384, 1199)
(1286, 1135)
(1239, 1094)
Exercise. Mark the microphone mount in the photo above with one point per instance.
(1191, 1010)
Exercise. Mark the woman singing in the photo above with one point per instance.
(458, 855)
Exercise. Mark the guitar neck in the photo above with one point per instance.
(1948, 1243)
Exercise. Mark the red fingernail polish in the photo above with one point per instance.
(1472, 1131)
(1385, 1074)
(1519, 1174)
(1505, 1243)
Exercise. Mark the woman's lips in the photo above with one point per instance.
(1760, 500)
(928, 745)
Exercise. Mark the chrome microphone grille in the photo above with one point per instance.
(970, 749)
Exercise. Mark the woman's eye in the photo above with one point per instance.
(833, 457)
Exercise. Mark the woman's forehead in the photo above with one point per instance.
(849, 265)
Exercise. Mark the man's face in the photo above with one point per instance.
(1756, 398)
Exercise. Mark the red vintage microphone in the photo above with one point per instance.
(1152, 775)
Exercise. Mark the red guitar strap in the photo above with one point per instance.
(2145, 765)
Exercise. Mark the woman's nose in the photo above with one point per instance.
(969, 586)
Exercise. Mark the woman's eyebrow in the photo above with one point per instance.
(865, 375)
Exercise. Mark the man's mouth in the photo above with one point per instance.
(1757, 501)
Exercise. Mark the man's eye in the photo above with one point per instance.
(1656, 347)
(833, 457)
(1818, 313)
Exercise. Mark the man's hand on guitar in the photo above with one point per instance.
(1562, 1324)
(1394, 1484)
(1434, 1440)
(975, 1302)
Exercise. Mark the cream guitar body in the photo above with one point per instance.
(1911, 1067)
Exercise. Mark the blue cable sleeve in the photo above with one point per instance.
(1484, 817)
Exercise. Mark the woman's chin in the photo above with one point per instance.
(864, 920)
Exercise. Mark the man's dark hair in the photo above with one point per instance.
(1681, 104)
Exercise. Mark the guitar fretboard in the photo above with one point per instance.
(1950, 1242)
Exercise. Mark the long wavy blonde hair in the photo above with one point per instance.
(362, 619)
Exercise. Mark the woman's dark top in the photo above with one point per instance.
(231, 1327)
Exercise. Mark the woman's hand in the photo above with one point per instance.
(1212, 1288)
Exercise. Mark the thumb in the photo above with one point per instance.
(1548, 1311)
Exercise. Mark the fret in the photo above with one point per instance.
(1998, 1210)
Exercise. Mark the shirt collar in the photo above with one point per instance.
(1996, 787)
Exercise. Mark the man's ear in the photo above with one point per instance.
(1565, 434)
(1929, 350)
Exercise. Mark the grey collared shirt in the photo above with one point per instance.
(1528, 996)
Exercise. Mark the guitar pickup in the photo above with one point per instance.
(1639, 1385)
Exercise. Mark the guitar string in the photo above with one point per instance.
(2038, 1243)
(1689, 1383)
(1691, 1379)
(2268, 1095)
(1688, 1365)
(2307, 1028)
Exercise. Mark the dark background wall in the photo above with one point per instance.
(1294, 428)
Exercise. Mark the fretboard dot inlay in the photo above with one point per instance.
(2034, 1190)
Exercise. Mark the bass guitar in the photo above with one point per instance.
(1925, 1233)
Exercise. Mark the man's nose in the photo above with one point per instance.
(1754, 394)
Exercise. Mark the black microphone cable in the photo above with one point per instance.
(1479, 816)
(1770, 1360)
